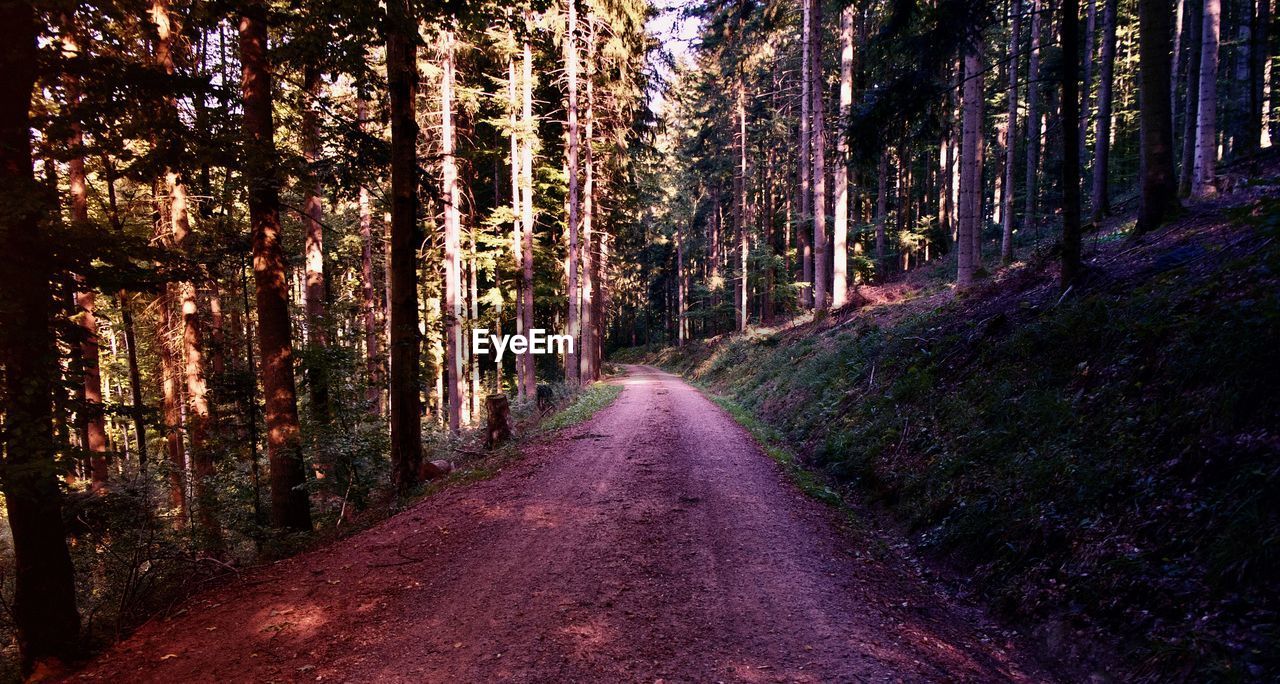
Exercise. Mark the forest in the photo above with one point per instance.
(991, 283)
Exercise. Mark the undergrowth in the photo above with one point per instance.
(585, 405)
(1107, 461)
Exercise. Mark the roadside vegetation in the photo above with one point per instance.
(1100, 461)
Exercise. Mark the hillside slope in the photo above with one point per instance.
(1103, 464)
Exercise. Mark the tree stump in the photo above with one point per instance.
(498, 407)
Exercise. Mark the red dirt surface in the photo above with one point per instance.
(653, 542)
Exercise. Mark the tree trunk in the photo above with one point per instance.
(571, 67)
(1011, 135)
(806, 152)
(453, 342)
(1260, 58)
(1191, 79)
(1033, 117)
(528, 130)
(1102, 135)
(290, 508)
(313, 245)
(517, 213)
(44, 603)
(368, 305)
(840, 229)
(94, 437)
(1206, 120)
(1090, 33)
(882, 212)
(740, 205)
(586, 358)
(197, 413)
(818, 139)
(404, 343)
(970, 165)
(681, 328)
(1158, 184)
(1070, 40)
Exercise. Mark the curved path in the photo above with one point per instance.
(653, 542)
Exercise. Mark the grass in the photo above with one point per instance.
(585, 405)
(1107, 461)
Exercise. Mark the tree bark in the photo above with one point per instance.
(1011, 134)
(740, 204)
(1070, 40)
(313, 246)
(1102, 134)
(586, 272)
(368, 299)
(1158, 184)
(840, 228)
(404, 343)
(882, 212)
(1033, 117)
(93, 427)
(970, 165)
(806, 158)
(1090, 34)
(290, 508)
(528, 130)
(1191, 79)
(517, 212)
(1260, 58)
(818, 139)
(44, 603)
(571, 68)
(453, 343)
(1206, 156)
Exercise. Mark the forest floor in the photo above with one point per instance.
(1097, 466)
(653, 542)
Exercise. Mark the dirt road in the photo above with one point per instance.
(654, 542)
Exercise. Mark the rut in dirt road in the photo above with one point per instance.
(655, 541)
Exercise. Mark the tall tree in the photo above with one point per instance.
(1158, 198)
(368, 300)
(290, 507)
(840, 227)
(1191, 79)
(453, 342)
(806, 154)
(819, 142)
(1202, 177)
(1259, 66)
(404, 344)
(1029, 217)
(44, 601)
(574, 213)
(179, 231)
(92, 424)
(970, 164)
(1102, 136)
(1006, 218)
(1069, 38)
(586, 272)
(528, 132)
(313, 242)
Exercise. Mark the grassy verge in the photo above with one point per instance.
(1104, 462)
(585, 405)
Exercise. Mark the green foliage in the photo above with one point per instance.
(584, 406)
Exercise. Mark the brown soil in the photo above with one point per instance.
(653, 542)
